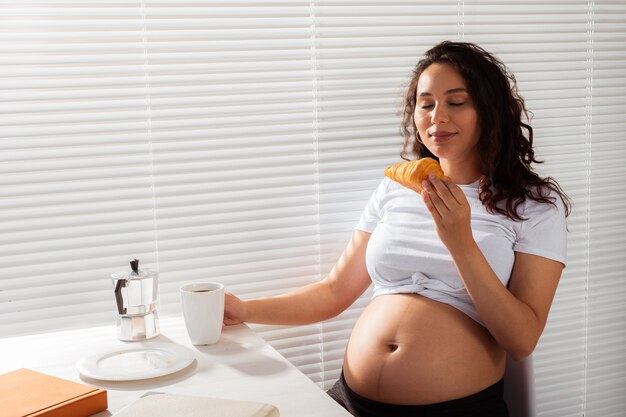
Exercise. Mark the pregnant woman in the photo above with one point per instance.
(464, 271)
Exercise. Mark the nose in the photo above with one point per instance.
(438, 115)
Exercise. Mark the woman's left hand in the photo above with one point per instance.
(450, 210)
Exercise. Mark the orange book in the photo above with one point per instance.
(28, 393)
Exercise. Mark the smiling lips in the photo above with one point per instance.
(441, 135)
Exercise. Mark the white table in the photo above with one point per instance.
(240, 366)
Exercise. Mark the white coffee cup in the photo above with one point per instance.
(203, 310)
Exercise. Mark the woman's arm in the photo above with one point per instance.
(516, 316)
(314, 302)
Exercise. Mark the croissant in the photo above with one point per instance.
(412, 173)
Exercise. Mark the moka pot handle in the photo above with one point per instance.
(121, 283)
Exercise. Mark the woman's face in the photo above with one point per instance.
(445, 115)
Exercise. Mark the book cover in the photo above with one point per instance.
(167, 405)
(29, 393)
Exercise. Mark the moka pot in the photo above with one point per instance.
(136, 296)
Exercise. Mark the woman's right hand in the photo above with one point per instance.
(234, 309)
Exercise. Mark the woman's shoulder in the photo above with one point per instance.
(543, 201)
(543, 231)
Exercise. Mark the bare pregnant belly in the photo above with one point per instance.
(407, 349)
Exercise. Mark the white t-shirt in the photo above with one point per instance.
(405, 254)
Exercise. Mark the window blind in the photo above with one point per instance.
(77, 183)
(606, 323)
(239, 142)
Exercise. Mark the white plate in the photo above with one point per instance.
(141, 360)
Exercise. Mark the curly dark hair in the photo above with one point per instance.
(506, 152)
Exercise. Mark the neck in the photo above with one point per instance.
(460, 173)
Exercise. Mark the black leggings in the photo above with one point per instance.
(486, 403)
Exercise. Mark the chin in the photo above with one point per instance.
(439, 151)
